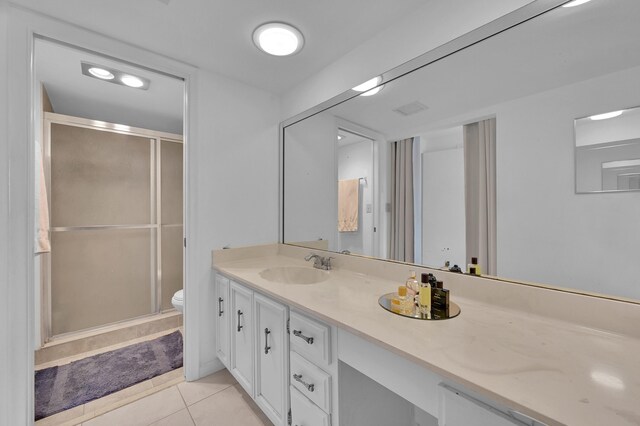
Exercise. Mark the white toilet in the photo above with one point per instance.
(178, 300)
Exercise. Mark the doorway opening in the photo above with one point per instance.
(110, 225)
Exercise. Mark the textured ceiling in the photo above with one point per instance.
(216, 34)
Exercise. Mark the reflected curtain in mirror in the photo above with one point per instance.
(480, 193)
(401, 241)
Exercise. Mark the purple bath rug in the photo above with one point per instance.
(67, 386)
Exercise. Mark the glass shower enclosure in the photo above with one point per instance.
(116, 211)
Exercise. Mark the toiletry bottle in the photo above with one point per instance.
(413, 287)
(398, 300)
(474, 265)
(405, 304)
(424, 297)
(440, 297)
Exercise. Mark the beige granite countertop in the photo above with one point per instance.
(554, 370)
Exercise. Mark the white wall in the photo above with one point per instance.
(436, 23)
(231, 193)
(235, 189)
(546, 232)
(310, 194)
(443, 208)
(356, 161)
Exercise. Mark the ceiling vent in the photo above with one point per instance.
(411, 108)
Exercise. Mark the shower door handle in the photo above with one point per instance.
(239, 326)
(220, 311)
(266, 338)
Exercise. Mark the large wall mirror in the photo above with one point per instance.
(479, 154)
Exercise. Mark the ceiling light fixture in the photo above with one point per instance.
(112, 75)
(575, 3)
(278, 39)
(132, 81)
(606, 115)
(101, 73)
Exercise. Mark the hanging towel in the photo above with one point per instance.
(348, 199)
(43, 244)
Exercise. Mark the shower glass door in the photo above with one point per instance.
(107, 197)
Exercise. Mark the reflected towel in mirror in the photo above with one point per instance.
(348, 199)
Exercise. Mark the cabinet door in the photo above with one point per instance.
(222, 319)
(242, 348)
(272, 353)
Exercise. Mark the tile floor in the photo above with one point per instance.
(77, 415)
(214, 400)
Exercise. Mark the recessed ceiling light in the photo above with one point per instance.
(278, 39)
(575, 3)
(606, 115)
(340, 137)
(101, 73)
(113, 75)
(131, 81)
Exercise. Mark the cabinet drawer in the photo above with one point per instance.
(310, 338)
(311, 381)
(304, 413)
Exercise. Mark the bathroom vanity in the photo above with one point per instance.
(325, 353)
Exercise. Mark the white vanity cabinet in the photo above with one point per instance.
(254, 345)
(222, 320)
(272, 355)
(242, 338)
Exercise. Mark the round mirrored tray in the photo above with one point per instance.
(436, 314)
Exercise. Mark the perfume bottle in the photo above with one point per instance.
(412, 284)
(405, 302)
(424, 297)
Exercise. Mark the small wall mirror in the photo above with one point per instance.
(608, 151)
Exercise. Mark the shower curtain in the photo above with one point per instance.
(480, 193)
(401, 241)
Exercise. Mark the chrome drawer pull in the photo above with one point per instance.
(220, 311)
(298, 378)
(239, 326)
(266, 337)
(299, 334)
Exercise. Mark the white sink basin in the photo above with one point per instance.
(294, 275)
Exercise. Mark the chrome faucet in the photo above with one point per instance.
(320, 262)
